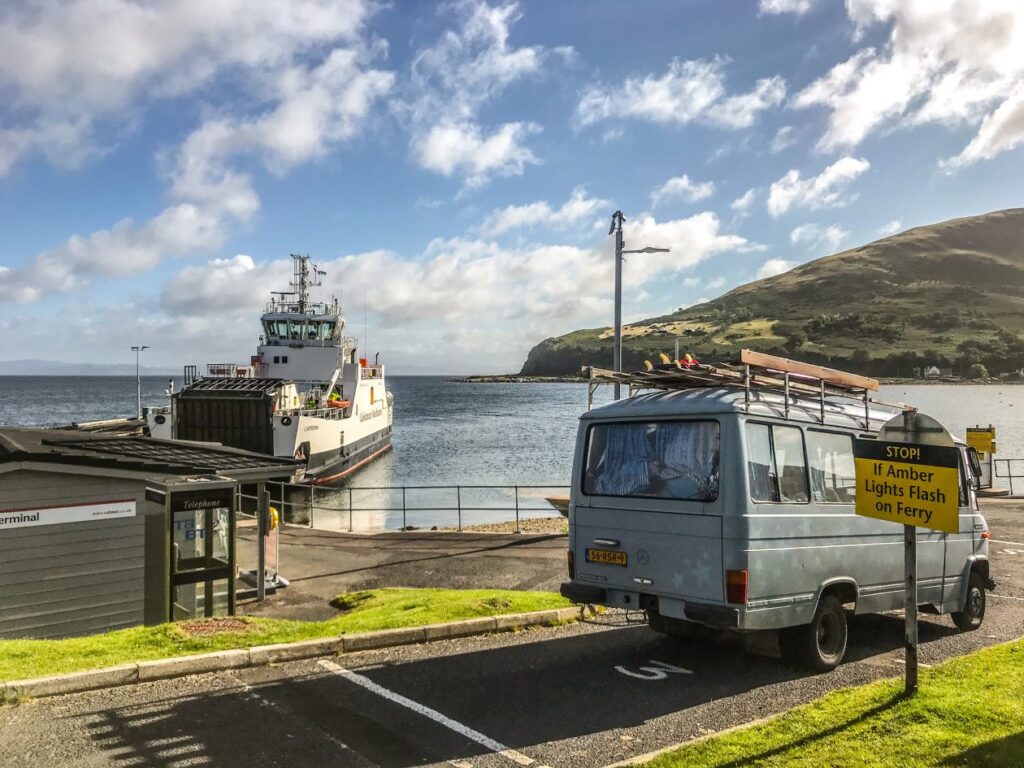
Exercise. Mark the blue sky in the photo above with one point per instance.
(457, 163)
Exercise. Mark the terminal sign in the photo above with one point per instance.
(908, 484)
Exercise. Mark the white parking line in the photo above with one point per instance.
(263, 701)
(1011, 543)
(463, 730)
(1007, 597)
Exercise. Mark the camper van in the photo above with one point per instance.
(725, 498)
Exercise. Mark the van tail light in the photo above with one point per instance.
(572, 564)
(986, 535)
(736, 587)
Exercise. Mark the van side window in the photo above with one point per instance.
(760, 467)
(775, 463)
(833, 477)
(659, 459)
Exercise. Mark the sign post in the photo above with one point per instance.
(909, 476)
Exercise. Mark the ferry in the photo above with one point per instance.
(305, 394)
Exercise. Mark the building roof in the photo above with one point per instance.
(137, 454)
(712, 400)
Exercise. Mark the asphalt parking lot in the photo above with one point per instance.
(585, 696)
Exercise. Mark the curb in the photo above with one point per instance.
(262, 655)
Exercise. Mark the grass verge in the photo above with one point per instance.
(967, 712)
(359, 612)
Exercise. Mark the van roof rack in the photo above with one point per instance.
(754, 371)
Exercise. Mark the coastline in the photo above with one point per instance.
(515, 378)
(889, 381)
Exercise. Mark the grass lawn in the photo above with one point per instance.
(967, 712)
(359, 612)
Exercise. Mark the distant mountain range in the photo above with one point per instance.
(56, 368)
(948, 294)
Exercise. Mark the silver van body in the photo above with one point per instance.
(678, 555)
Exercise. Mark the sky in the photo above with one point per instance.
(453, 167)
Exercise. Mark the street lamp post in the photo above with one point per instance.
(616, 229)
(138, 379)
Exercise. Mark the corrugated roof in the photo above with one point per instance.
(134, 453)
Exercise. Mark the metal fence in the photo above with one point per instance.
(1012, 469)
(416, 506)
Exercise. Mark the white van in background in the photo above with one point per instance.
(733, 507)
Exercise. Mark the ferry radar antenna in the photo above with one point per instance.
(301, 281)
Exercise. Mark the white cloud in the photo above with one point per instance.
(774, 267)
(741, 204)
(507, 297)
(689, 91)
(691, 240)
(682, 187)
(124, 249)
(715, 283)
(890, 228)
(952, 62)
(301, 113)
(817, 238)
(798, 7)
(784, 138)
(1000, 131)
(742, 110)
(578, 207)
(451, 80)
(460, 148)
(824, 190)
(68, 66)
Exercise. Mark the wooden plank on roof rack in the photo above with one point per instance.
(830, 375)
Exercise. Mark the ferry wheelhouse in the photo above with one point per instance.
(305, 394)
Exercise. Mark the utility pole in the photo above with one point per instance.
(616, 229)
(138, 378)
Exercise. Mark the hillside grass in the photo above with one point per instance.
(967, 712)
(358, 612)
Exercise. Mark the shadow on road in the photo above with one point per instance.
(524, 695)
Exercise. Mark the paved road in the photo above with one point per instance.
(582, 696)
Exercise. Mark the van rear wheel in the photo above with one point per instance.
(820, 645)
(974, 605)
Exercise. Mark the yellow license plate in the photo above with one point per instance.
(606, 556)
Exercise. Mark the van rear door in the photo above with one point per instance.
(646, 513)
(665, 552)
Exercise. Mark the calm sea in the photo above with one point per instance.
(451, 434)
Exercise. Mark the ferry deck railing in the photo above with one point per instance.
(297, 502)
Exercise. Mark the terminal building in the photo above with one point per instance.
(101, 532)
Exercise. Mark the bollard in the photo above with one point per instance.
(404, 526)
(350, 509)
(458, 500)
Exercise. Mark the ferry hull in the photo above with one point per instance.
(333, 467)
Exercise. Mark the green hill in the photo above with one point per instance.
(948, 294)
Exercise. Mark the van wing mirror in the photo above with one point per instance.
(975, 465)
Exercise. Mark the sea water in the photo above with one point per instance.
(458, 435)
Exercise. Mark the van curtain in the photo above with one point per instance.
(670, 459)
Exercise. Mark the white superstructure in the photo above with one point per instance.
(306, 394)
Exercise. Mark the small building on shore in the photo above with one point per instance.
(102, 532)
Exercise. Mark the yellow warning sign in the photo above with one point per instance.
(983, 440)
(908, 484)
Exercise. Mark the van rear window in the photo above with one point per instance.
(657, 459)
